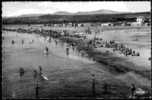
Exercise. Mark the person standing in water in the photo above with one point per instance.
(133, 89)
(56, 42)
(67, 51)
(37, 90)
(35, 74)
(40, 70)
(22, 42)
(13, 41)
(21, 72)
(50, 39)
(93, 85)
(46, 50)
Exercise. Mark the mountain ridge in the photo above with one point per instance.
(101, 11)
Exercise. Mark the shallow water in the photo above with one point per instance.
(35, 51)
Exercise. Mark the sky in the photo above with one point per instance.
(20, 8)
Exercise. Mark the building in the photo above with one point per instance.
(140, 20)
(106, 24)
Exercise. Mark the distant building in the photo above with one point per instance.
(140, 20)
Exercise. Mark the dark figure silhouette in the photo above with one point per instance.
(73, 48)
(149, 58)
(133, 53)
(93, 86)
(21, 72)
(13, 41)
(67, 51)
(35, 74)
(56, 42)
(40, 70)
(47, 50)
(133, 88)
(37, 91)
(22, 41)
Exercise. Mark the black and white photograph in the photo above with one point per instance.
(76, 50)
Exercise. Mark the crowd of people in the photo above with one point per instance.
(99, 42)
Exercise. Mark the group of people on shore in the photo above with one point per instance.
(98, 42)
(36, 74)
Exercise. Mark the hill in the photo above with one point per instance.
(103, 11)
(60, 17)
